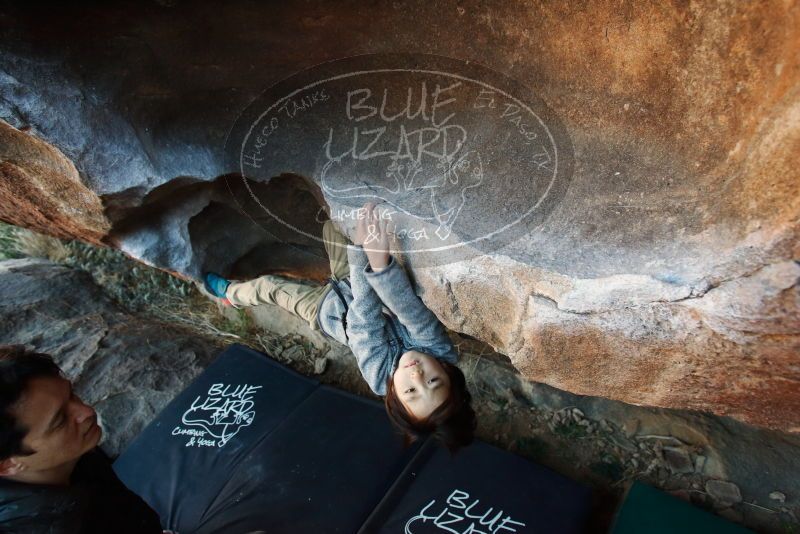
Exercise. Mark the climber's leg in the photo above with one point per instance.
(336, 247)
(300, 299)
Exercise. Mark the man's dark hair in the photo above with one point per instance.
(18, 366)
(452, 423)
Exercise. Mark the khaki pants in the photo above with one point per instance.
(302, 300)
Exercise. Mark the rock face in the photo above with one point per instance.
(660, 268)
(126, 367)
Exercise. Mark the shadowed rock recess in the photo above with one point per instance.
(656, 147)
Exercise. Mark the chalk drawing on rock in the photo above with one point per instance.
(468, 159)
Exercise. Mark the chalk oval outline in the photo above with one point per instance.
(351, 74)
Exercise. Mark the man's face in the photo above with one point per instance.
(420, 383)
(61, 428)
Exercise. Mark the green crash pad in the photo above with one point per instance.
(647, 509)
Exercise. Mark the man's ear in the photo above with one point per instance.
(11, 466)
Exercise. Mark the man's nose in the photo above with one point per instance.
(83, 412)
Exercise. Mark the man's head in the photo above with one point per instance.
(429, 396)
(44, 426)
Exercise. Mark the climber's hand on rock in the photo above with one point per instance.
(364, 215)
(373, 235)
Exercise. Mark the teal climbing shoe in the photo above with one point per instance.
(215, 284)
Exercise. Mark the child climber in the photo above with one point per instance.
(401, 347)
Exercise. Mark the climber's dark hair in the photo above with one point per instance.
(18, 366)
(452, 423)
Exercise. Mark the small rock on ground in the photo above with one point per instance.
(723, 493)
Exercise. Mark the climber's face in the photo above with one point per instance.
(420, 383)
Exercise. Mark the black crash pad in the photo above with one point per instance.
(251, 446)
(251, 442)
(480, 490)
(324, 470)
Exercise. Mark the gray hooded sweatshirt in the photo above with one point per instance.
(384, 318)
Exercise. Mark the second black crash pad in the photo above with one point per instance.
(480, 490)
(251, 445)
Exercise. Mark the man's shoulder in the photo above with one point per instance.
(95, 499)
(111, 502)
(94, 467)
(33, 508)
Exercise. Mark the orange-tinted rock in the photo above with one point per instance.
(40, 189)
(732, 351)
